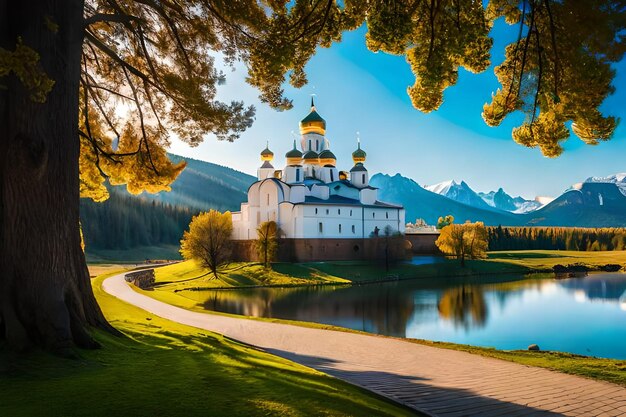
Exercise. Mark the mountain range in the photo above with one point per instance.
(500, 200)
(596, 202)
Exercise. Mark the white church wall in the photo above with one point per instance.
(368, 195)
(313, 142)
(381, 218)
(297, 193)
(359, 178)
(286, 224)
(253, 194)
(320, 191)
(270, 194)
(331, 218)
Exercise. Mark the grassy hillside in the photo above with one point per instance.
(162, 368)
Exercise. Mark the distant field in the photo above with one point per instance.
(100, 269)
(133, 255)
(547, 259)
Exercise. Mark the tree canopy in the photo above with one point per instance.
(464, 241)
(208, 241)
(267, 242)
(148, 68)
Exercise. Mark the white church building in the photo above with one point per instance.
(311, 199)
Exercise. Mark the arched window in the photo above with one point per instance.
(350, 212)
(339, 228)
(327, 211)
(332, 177)
(297, 175)
(387, 214)
(309, 144)
(321, 227)
(338, 211)
(363, 178)
(316, 210)
(353, 229)
(373, 215)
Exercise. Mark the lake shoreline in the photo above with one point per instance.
(559, 272)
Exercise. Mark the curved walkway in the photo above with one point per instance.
(436, 381)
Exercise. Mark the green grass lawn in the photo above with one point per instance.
(189, 274)
(166, 369)
(610, 370)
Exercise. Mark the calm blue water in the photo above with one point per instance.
(579, 315)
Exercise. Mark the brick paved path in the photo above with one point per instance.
(435, 381)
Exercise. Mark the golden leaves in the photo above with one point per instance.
(208, 240)
(23, 62)
(558, 70)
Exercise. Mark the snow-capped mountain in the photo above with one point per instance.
(590, 204)
(503, 201)
(617, 179)
(460, 192)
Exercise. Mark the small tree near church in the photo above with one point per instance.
(267, 242)
(208, 241)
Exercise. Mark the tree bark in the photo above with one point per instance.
(46, 297)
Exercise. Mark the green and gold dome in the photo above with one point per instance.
(359, 155)
(313, 122)
(266, 154)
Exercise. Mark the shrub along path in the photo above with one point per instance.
(433, 380)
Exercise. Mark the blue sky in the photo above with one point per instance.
(357, 90)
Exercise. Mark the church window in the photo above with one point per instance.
(327, 211)
(315, 210)
(268, 199)
(373, 215)
(387, 214)
(309, 144)
(363, 178)
(338, 211)
(297, 175)
(350, 212)
(332, 178)
(321, 227)
(353, 229)
(339, 228)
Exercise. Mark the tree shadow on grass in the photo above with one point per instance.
(417, 392)
(528, 255)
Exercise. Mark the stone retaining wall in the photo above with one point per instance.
(143, 279)
(309, 250)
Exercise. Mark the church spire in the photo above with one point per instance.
(266, 154)
(313, 122)
(359, 155)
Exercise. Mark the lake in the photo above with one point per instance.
(580, 315)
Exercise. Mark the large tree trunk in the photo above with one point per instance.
(46, 297)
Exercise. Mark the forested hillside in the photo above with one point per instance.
(557, 238)
(125, 221)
